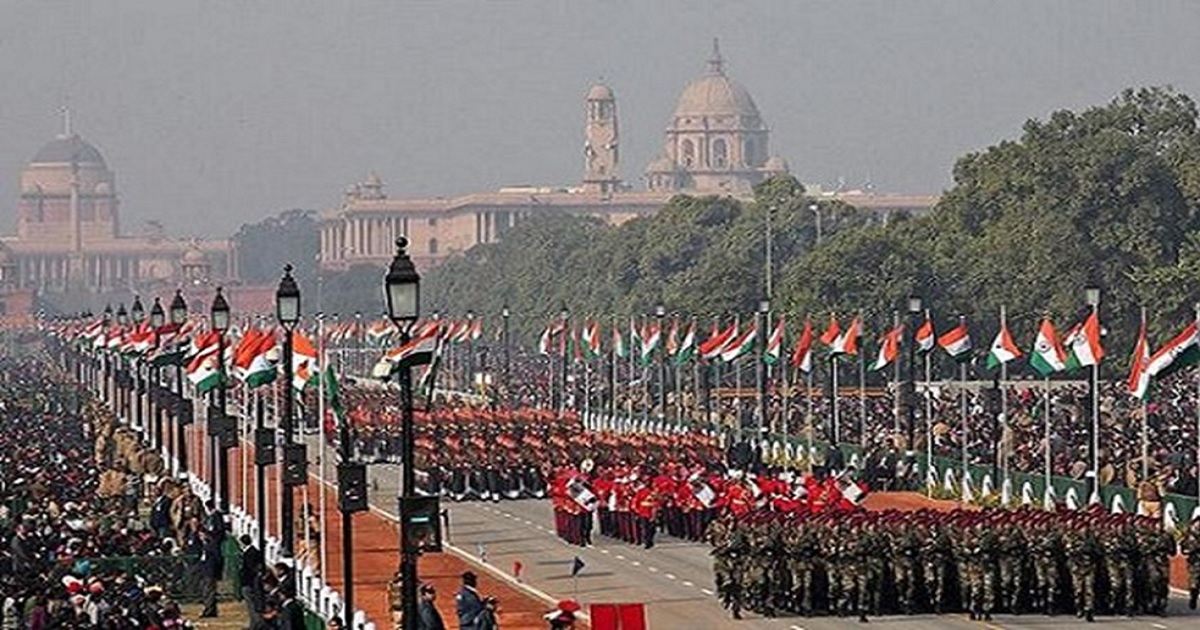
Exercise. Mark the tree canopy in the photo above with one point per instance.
(1109, 196)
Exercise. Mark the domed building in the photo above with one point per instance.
(68, 234)
(717, 142)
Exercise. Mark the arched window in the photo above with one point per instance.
(689, 152)
(720, 153)
(433, 246)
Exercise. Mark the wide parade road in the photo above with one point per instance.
(673, 580)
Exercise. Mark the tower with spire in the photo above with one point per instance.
(600, 143)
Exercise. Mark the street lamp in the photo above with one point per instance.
(218, 424)
(1092, 295)
(402, 292)
(816, 210)
(908, 395)
(470, 379)
(565, 317)
(158, 317)
(660, 313)
(183, 416)
(287, 311)
(764, 319)
(137, 313)
(504, 315)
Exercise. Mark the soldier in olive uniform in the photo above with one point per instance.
(1157, 550)
(1082, 551)
(1047, 557)
(1190, 546)
(802, 546)
(981, 552)
(936, 555)
(1014, 552)
(1120, 546)
(906, 556)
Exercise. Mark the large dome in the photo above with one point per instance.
(715, 94)
(67, 149)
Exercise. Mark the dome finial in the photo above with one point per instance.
(66, 116)
(716, 63)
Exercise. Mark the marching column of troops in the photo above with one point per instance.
(1085, 563)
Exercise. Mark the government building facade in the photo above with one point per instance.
(717, 143)
(69, 238)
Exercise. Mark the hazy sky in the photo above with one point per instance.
(215, 113)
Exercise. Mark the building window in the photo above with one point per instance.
(433, 245)
(689, 152)
(720, 153)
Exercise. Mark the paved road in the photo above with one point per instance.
(674, 579)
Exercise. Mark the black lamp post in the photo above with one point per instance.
(109, 385)
(287, 311)
(470, 364)
(764, 319)
(908, 395)
(402, 290)
(660, 314)
(504, 315)
(137, 313)
(158, 318)
(122, 370)
(565, 316)
(182, 405)
(220, 323)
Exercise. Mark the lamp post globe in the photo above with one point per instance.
(178, 309)
(287, 300)
(402, 286)
(122, 315)
(137, 311)
(158, 317)
(108, 314)
(220, 312)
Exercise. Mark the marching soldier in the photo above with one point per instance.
(1082, 552)
(1048, 555)
(1014, 551)
(936, 555)
(1190, 546)
(906, 555)
(1159, 548)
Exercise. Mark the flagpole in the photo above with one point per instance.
(1198, 409)
(321, 367)
(1095, 497)
(1049, 458)
(928, 424)
(896, 383)
(833, 368)
(809, 419)
(1145, 427)
(962, 407)
(1005, 436)
(862, 392)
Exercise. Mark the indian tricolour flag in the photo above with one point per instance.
(1047, 356)
(1003, 349)
(925, 336)
(1139, 376)
(1180, 352)
(957, 342)
(842, 341)
(687, 346)
(802, 354)
(204, 371)
(650, 338)
(620, 350)
(889, 348)
(717, 340)
(590, 336)
(304, 361)
(740, 346)
(264, 361)
(775, 344)
(1083, 344)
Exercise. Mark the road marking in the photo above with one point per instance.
(604, 551)
(796, 628)
(620, 557)
(1159, 626)
(653, 569)
(636, 563)
(688, 583)
(706, 591)
(670, 576)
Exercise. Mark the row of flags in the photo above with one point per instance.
(1080, 347)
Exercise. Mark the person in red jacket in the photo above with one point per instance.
(645, 505)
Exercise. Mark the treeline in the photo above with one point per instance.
(1108, 197)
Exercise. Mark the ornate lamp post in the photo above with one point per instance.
(137, 313)
(122, 373)
(764, 319)
(109, 386)
(1092, 294)
(183, 414)
(287, 311)
(660, 314)
(504, 315)
(565, 316)
(218, 423)
(158, 318)
(402, 288)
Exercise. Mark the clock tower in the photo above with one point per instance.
(600, 145)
